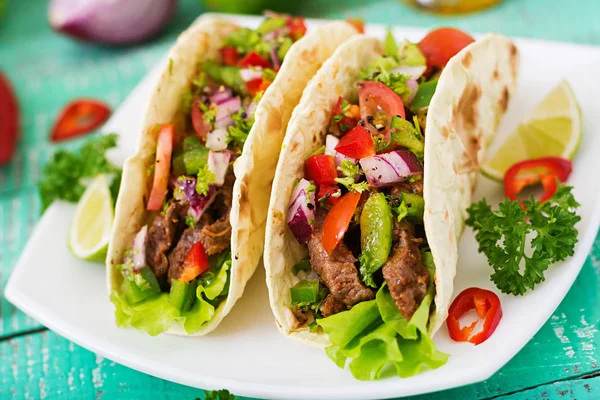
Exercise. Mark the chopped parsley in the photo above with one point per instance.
(238, 132)
(204, 179)
(350, 170)
(345, 107)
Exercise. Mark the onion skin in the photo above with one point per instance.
(110, 22)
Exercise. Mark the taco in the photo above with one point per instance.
(190, 216)
(369, 197)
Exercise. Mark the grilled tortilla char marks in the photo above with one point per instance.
(404, 273)
(177, 257)
(161, 236)
(337, 271)
(216, 237)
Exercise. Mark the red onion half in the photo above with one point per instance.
(111, 22)
(386, 169)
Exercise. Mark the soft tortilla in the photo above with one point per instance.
(471, 97)
(253, 185)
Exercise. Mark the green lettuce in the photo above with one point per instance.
(157, 314)
(379, 341)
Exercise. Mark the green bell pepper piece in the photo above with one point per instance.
(406, 135)
(182, 294)
(137, 287)
(424, 95)
(195, 155)
(415, 205)
(271, 24)
(306, 291)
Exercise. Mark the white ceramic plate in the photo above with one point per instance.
(246, 354)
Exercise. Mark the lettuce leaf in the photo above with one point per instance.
(380, 341)
(156, 314)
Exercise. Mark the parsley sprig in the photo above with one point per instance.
(350, 170)
(503, 237)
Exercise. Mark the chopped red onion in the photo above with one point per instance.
(218, 163)
(275, 59)
(110, 22)
(249, 74)
(228, 107)
(139, 249)
(198, 203)
(414, 72)
(413, 86)
(301, 211)
(250, 109)
(221, 95)
(216, 140)
(386, 169)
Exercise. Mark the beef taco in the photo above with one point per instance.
(190, 217)
(369, 197)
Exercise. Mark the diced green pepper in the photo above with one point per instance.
(137, 287)
(227, 75)
(271, 24)
(178, 167)
(284, 47)
(376, 224)
(415, 205)
(306, 291)
(424, 95)
(406, 135)
(195, 155)
(302, 265)
(182, 294)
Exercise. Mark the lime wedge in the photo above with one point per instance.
(90, 232)
(553, 128)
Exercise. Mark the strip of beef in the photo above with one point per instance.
(216, 237)
(177, 257)
(337, 271)
(331, 306)
(415, 187)
(161, 236)
(405, 274)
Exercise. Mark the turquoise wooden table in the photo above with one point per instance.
(560, 362)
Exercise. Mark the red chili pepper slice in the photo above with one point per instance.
(195, 263)
(78, 118)
(358, 143)
(297, 27)
(229, 55)
(488, 308)
(545, 170)
(320, 168)
(253, 59)
(9, 121)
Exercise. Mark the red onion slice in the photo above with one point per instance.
(216, 140)
(249, 74)
(300, 213)
(139, 249)
(218, 163)
(383, 170)
(221, 95)
(275, 59)
(110, 22)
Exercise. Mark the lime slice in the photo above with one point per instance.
(553, 128)
(90, 232)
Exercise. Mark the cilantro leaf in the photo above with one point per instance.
(222, 394)
(390, 48)
(350, 171)
(503, 237)
(63, 174)
(204, 179)
(238, 132)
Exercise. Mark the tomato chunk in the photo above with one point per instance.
(320, 168)
(331, 193)
(195, 263)
(357, 143)
(253, 86)
(253, 59)
(229, 55)
(201, 126)
(297, 27)
(338, 219)
(441, 44)
(378, 104)
(162, 167)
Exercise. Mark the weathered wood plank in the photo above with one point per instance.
(576, 389)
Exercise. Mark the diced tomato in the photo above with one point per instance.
(357, 143)
(441, 44)
(78, 118)
(378, 101)
(229, 55)
(338, 219)
(253, 86)
(345, 123)
(320, 168)
(201, 126)
(358, 23)
(195, 263)
(253, 59)
(297, 27)
(162, 167)
(331, 193)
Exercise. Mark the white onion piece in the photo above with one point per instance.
(330, 143)
(228, 107)
(414, 72)
(387, 169)
(221, 95)
(413, 86)
(218, 162)
(249, 74)
(300, 213)
(110, 22)
(216, 140)
(139, 249)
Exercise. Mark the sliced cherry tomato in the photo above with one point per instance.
(201, 126)
(195, 263)
(253, 59)
(337, 220)
(545, 170)
(345, 123)
(357, 143)
(253, 86)
(331, 193)
(488, 308)
(297, 27)
(78, 118)
(162, 166)
(441, 44)
(229, 55)
(358, 23)
(9, 121)
(378, 104)
(320, 168)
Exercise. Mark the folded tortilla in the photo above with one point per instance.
(471, 97)
(255, 168)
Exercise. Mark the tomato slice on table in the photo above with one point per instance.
(378, 104)
(195, 263)
(487, 305)
(320, 168)
(162, 167)
(358, 143)
(229, 55)
(253, 59)
(338, 219)
(78, 118)
(297, 27)
(441, 44)
(545, 170)
(201, 126)
(9, 121)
